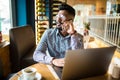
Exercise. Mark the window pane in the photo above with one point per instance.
(5, 17)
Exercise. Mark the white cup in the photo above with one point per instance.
(116, 72)
(29, 73)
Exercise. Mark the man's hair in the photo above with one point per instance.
(68, 8)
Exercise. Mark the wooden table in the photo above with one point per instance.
(102, 77)
(4, 58)
(46, 71)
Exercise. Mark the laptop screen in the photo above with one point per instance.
(85, 63)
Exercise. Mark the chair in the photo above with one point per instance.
(22, 46)
(1, 70)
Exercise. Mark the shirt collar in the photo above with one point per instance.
(58, 34)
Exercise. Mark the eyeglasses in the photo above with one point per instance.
(63, 18)
(60, 16)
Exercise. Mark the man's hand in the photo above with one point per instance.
(58, 62)
(68, 27)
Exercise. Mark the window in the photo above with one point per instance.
(5, 16)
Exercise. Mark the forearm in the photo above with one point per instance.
(40, 52)
(39, 56)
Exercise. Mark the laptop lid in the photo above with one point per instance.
(85, 63)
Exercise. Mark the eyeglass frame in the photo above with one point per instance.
(63, 17)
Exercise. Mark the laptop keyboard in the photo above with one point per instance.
(58, 71)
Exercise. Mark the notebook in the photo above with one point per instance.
(84, 63)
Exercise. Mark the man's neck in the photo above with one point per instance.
(64, 33)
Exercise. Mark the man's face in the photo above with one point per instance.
(62, 17)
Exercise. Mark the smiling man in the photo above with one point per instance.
(58, 40)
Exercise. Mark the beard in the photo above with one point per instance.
(59, 26)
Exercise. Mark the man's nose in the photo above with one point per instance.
(59, 20)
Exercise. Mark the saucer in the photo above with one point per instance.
(37, 77)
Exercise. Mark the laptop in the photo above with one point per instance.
(84, 63)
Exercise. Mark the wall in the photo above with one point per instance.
(100, 4)
(74, 2)
(21, 12)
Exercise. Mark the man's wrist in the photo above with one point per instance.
(52, 61)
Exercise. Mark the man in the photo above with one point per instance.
(58, 40)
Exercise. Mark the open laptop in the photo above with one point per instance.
(84, 63)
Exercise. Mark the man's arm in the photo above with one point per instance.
(76, 38)
(40, 52)
(77, 41)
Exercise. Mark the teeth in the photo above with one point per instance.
(58, 24)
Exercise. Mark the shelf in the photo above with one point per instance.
(55, 1)
(40, 15)
(45, 12)
(40, 19)
(3, 43)
(55, 10)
